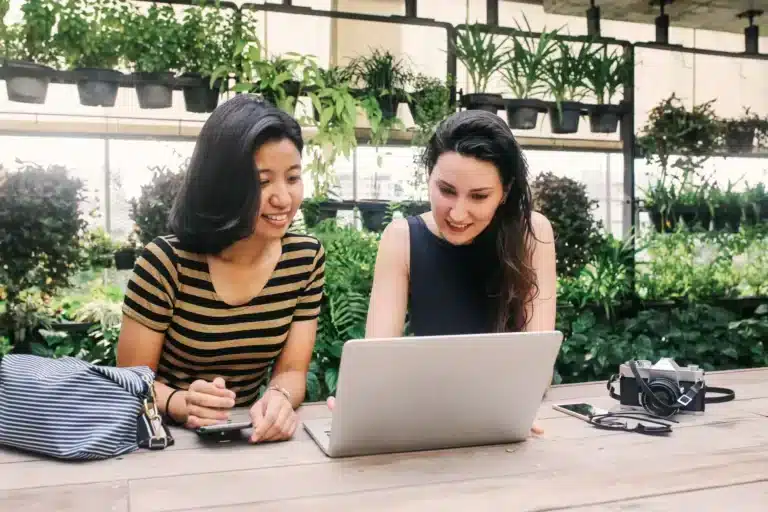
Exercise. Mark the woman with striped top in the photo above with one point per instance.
(230, 296)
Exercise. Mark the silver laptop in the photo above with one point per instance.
(425, 393)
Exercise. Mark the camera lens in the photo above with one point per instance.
(665, 393)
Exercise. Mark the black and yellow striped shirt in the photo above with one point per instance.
(171, 291)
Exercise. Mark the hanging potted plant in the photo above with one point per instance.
(382, 76)
(482, 57)
(429, 104)
(660, 201)
(565, 75)
(739, 133)
(208, 42)
(90, 38)
(605, 73)
(523, 74)
(672, 129)
(30, 56)
(153, 46)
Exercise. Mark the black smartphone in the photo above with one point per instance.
(582, 411)
(230, 426)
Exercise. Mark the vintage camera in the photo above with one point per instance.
(662, 389)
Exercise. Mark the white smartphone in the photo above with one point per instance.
(582, 411)
(221, 428)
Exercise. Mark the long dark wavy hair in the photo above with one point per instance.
(485, 136)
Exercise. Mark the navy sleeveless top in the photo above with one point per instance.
(451, 287)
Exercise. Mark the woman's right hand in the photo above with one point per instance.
(208, 403)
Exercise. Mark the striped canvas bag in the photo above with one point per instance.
(68, 408)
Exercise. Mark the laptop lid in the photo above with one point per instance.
(420, 393)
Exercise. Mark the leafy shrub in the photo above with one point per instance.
(40, 229)
(350, 260)
(150, 211)
(565, 203)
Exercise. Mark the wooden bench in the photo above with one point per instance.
(714, 462)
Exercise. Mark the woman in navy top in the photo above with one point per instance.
(481, 260)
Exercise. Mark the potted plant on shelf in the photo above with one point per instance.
(335, 113)
(153, 46)
(482, 57)
(208, 43)
(605, 73)
(523, 74)
(125, 253)
(429, 104)
(90, 39)
(382, 76)
(726, 207)
(30, 56)
(739, 133)
(755, 201)
(660, 203)
(672, 129)
(565, 75)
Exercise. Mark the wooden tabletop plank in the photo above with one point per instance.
(521, 467)
(100, 497)
(752, 497)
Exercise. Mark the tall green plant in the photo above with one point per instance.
(31, 40)
(566, 73)
(90, 33)
(40, 229)
(524, 70)
(153, 41)
(481, 54)
(208, 38)
(151, 210)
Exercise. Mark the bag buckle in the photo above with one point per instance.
(159, 439)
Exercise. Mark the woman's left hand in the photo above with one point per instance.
(273, 418)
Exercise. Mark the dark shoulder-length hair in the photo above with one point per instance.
(485, 136)
(219, 199)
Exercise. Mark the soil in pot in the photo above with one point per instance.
(200, 98)
(98, 87)
(604, 119)
(740, 139)
(483, 101)
(27, 82)
(568, 121)
(152, 92)
(523, 114)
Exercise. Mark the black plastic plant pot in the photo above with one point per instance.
(200, 98)
(413, 208)
(374, 214)
(604, 118)
(740, 139)
(727, 219)
(125, 259)
(483, 101)
(523, 114)
(153, 89)
(662, 223)
(568, 121)
(98, 87)
(27, 82)
(314, 213)
(694, 216)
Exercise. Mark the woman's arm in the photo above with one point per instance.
(141, 346)
(389, 293)
(541, 311)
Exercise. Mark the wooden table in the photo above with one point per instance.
(715, 462)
